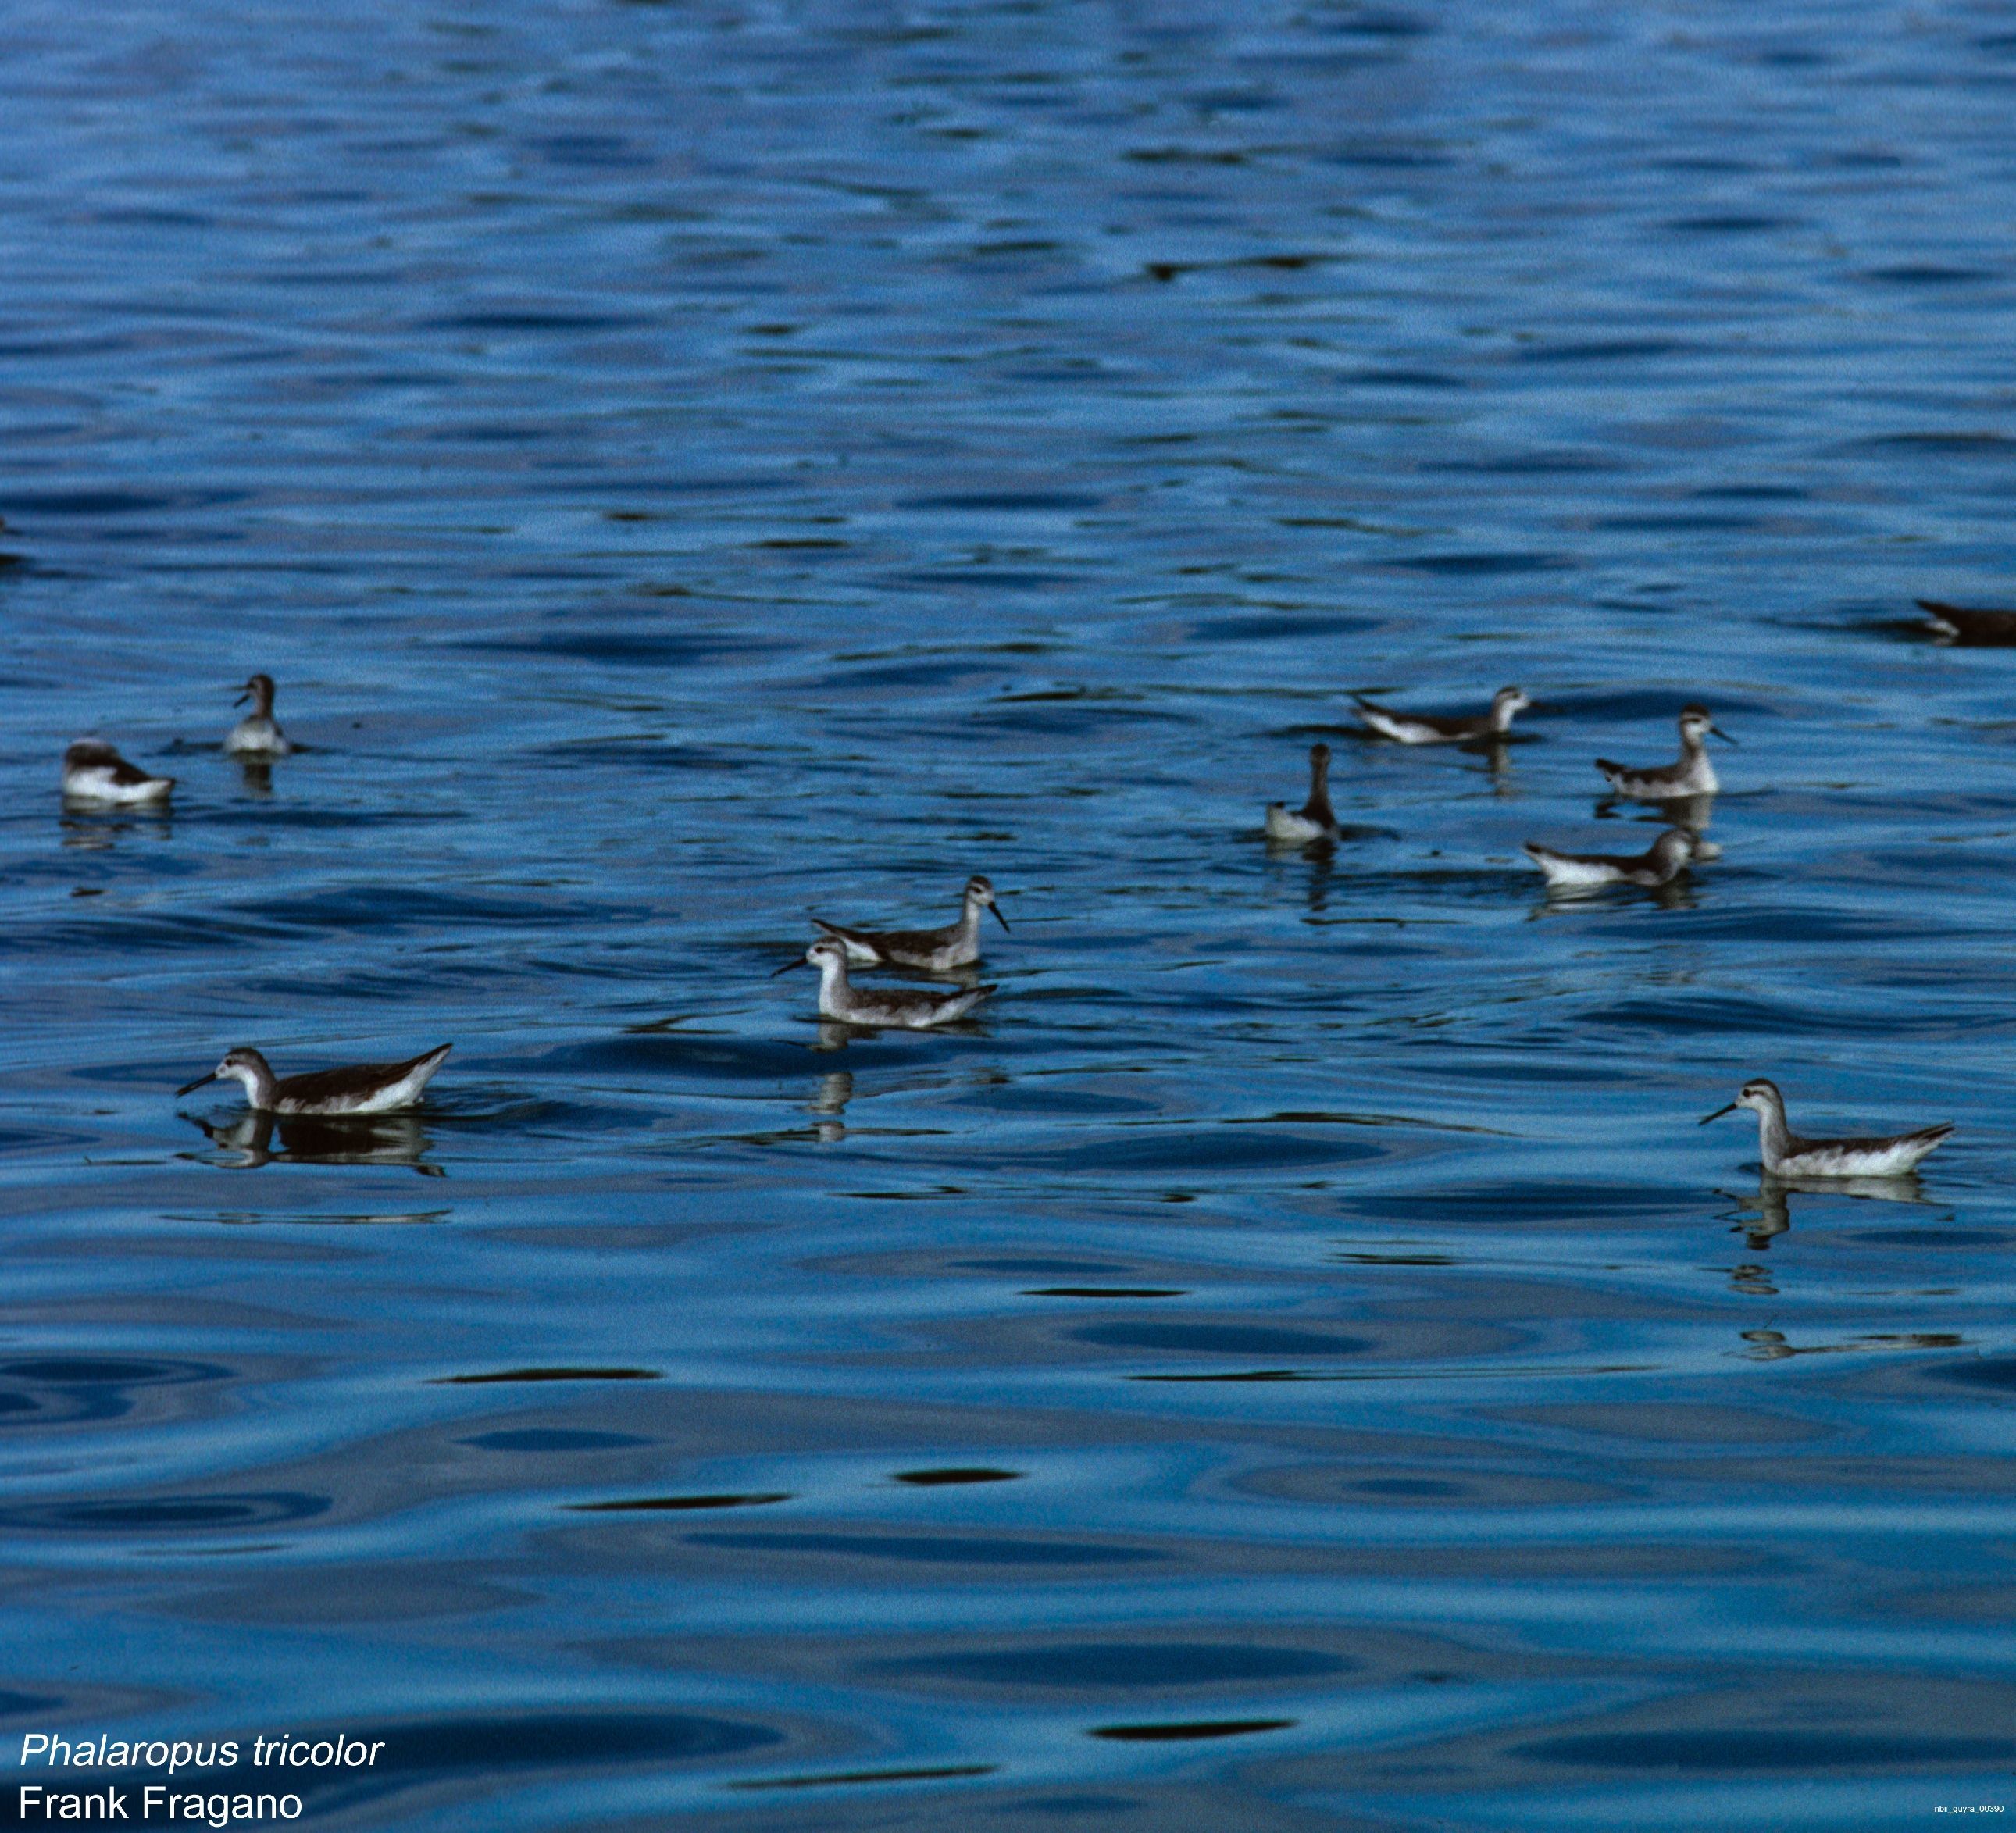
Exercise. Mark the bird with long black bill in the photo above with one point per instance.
(896, 1008)
(1787, 1154)
(1691, 774)
(934, 951)
(357, 1089)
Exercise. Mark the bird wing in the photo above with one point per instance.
(353, 1079)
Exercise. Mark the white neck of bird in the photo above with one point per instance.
(1501, 715)
(258, 1080)
(1773, 1134)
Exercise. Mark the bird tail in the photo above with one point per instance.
(426, 1065)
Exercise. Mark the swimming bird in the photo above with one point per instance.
(361, 1088)
(1316, 819)
(1958, 624)
(257, 734)
(1787, 1155)
(1661, 863)
(899, 1008)
(1427, 729)
(93, 771)
(936, 951)
(1690, 774)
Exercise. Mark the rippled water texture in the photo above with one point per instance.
(1294, 1362)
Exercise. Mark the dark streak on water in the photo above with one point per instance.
(1294, 1362)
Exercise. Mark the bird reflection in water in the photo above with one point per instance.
(257, 1137)
(1772, 1200)
(97, 832)
(1320, 856)
(1771, 1203)
(1688, 812)
(1773, 1215)
(836, 1089)
(1773, 1346)
(256, 775)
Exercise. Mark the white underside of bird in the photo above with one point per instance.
(1284, 823)
(890, 1008)
(1890, 1157)
(1690, 776)
(1403, 730)
(1659, 864)
(99, 782)
(256, 735)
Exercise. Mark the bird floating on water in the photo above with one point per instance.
(1691, 774)
(1962, 624)
(1660, 864)
(1316, 819)
(360, 1088)
(257, 734)
(936, 951)
(1786, 1155)
(895, 1008)
(1434, 728)
(93, 771)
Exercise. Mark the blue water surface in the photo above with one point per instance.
(1293, 1362)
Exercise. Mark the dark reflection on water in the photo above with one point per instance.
(688, 468)
(257, 1139)
(166, 1514)
(1189, 1729)
(1108, 1665)
(70, 1390)
(1990, 1371)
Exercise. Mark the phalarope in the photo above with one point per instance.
(93, 771)
(1316, 819)
(1690, 774)
(896, 1008)
(1787, 1155)
(257, 734)
(1661, 863)
(936, 951)
(360, 1088)
(1958, 624)
(1427, 729)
